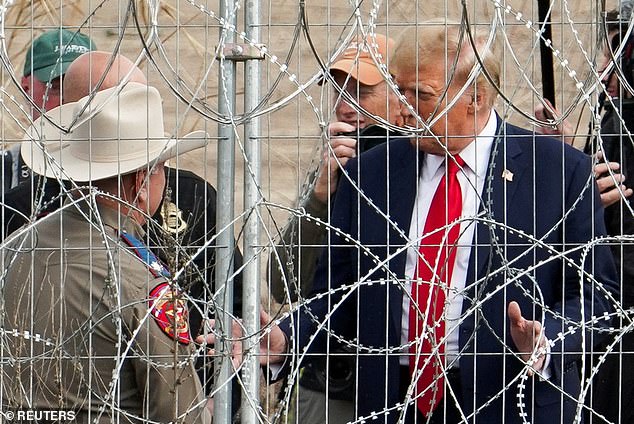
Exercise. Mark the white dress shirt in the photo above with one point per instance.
(471, 179)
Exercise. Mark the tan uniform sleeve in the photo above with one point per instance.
(163, 366)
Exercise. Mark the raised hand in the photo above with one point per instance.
(527, 336)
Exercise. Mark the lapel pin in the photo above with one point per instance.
(507, 175)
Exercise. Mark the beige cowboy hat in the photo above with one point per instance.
(119, 131)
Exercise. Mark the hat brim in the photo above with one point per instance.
(49, 73)
(44, 137)
(175, 147)
(45, 150)
(365, 73)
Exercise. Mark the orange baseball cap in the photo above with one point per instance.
(356, 60)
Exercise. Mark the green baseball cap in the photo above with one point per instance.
(47, 60)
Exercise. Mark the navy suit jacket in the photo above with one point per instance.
(545, 214)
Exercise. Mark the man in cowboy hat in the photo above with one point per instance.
(186, 218)
(105, 330)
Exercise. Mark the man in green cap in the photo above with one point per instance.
(46, 62)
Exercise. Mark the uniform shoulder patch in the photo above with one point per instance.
(170, 312)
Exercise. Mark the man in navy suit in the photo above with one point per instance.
(527, 290)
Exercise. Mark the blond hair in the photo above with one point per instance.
(429, 42)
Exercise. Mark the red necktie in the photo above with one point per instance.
(435, 265)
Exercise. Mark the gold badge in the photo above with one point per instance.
(173, 221)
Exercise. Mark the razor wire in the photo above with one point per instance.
(141, 35)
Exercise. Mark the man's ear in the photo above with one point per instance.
(476, 102)
(140, 186)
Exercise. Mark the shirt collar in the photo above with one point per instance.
(476, 155)
(115, 219)
(110, 217)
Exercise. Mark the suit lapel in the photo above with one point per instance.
(403, 180)
(505, 173)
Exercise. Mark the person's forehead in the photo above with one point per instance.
(422, 73)
(411, 75)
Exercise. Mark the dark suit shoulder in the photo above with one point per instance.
(378, 157)
(19, 197)
(543, 147)
(395, 145)
(187, 180)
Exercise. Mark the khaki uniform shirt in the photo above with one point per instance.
(79, 332)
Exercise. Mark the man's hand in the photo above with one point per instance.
(341, 148)
(237, 334)
(527, 336)
(273, 345)
(548, 113)
(610, 194)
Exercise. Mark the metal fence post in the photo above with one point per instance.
(224, 218)
(252, 198)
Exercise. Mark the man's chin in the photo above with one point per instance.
(435, 145)
(430, 144)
